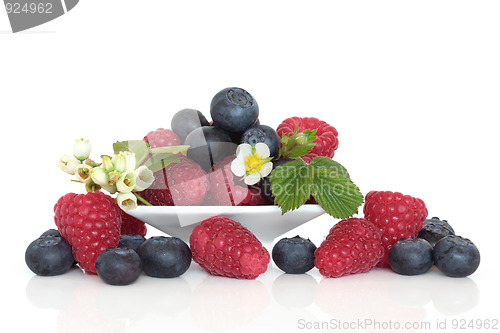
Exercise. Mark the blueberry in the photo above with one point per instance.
(265, 183)
(234, 110)
(49, 256)
(433, 232)
(209, 145)
(118, 266)
(412, 256)
(265, 134)
(187, 120)
(165, 257)
(55, 233)
(456, 256)
(436, 220)
(131, 241)
(51, 232)
(294, 255)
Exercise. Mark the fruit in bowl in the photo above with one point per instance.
(234, 183)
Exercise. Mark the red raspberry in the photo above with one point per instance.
(224, 188)
(224, 247)
(161, 138)
(352, 246)
(396, 215)
(326, 140)
(90, 223)
(132, 225)
(255, 197)
(178, 184)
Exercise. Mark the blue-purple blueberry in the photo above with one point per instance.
(131, 241)
(294, 255)
(456, 256)
(187, 120)
(118, 266)
(411, 256)
(165, 257)
(234, 110)
(209, 145)
(49, 256)
(264, 134)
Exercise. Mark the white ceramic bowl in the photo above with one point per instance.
(266, 222)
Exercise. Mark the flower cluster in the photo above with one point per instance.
(116, 174)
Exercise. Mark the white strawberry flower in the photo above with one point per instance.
(126, 182)
(126, 201)
(82, 148)
(82, 173)
(124, 161)
(143, 178)
(252, 162)
(68, 163)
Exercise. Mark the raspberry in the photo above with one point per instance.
(180, 184)
(132, 225)
(224, 247)
(326, 140)
(90, 223)
(396, 215)
(224, 189)
(255, 197)
(352, 246)
(161, 138)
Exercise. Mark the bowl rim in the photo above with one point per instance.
(228, 209)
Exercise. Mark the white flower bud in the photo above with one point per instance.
(99, 176)
(68, 163)
(82, 148)
(124, 161)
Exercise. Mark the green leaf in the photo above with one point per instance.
(162, 156)
(154, 158)
(291, 184)
(325, 162)
(138, 147)
(159, 161)
(182, 149)
(333, 189)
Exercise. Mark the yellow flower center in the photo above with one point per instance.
(253, 163)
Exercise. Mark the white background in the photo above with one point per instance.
(411, 86)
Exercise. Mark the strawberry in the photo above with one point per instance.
(90, 223)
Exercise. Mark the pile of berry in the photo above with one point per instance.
(234, 160)
(205, 177)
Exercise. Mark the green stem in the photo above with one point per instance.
(141, 199)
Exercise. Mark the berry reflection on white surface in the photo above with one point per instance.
(197, 301)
